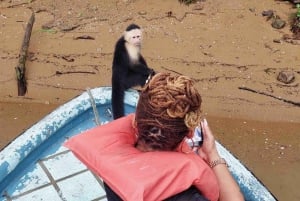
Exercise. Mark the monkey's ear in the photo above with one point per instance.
(126, 35)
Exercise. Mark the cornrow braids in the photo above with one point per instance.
(168, 107)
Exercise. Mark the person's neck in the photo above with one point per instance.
(143, 147)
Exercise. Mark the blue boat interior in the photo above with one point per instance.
(80, 123)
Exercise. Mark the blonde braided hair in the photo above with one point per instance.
(169, 107)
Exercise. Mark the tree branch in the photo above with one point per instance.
(265, 94)
(20, 69)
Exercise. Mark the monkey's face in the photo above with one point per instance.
(134, 37)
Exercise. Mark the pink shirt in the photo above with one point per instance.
(109, 151)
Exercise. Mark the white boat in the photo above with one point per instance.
(35, 166)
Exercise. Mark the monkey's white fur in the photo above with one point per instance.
(133, 43)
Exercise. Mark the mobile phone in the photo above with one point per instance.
(197, 139)
(198, 136)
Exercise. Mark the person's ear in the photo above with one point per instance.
(190, 134)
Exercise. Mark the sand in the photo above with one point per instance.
(229, 49)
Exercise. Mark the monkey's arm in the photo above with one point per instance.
(141, 69)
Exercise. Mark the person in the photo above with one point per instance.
(145, 155)
(229, 189)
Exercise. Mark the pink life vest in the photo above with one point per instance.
(108, 150)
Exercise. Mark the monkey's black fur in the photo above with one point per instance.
(126, 74)
(132, 26)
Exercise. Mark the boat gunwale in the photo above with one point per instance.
(40, 132)
(28, 141)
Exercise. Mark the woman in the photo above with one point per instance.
(144, 156)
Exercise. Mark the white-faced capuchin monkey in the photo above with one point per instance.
(129, 68)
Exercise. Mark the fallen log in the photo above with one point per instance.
(20, 69)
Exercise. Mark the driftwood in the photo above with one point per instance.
(71, 72)
(20, 69)
(270, 95)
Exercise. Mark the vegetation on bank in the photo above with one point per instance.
(295, 22)
(187, 2)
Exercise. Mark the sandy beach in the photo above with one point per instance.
(228, 47)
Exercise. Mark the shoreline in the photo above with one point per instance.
(17, 116)
(222, 45)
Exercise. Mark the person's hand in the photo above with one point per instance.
(208, 151)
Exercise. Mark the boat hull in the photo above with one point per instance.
(35, 166)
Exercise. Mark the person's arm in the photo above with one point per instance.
(229, 189)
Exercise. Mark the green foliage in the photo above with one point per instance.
(298, 10)
(295, 23)
(295, 15)
(187, 2)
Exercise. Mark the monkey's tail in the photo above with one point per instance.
(117, 101)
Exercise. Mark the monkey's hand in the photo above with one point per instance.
(151, 72)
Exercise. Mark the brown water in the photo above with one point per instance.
(222, 45)
(269, 149)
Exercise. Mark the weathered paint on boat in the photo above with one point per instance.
(35, 166)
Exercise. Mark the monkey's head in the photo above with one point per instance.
(133, 35)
